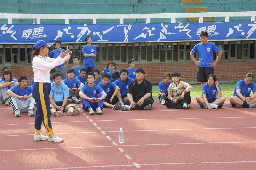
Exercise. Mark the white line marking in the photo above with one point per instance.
(11, 124)
(114, 143)
(146, 130)
(109, 138)
(169, 110)
(127, 156)
(78, 121)
(95, 124)
(234, 162)
(99, 128)
(100, 166)
(136, 165)
(106, 120)
(121, 149)
(13, 135)
(189, 118)
(103, 132)
(90, 120)
(87, 132)
(86, 116)
(231, 117)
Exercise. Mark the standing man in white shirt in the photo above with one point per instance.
(42, 64)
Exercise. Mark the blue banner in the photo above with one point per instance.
(122, 33)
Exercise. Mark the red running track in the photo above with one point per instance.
(158, 139)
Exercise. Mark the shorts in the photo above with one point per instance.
(211, 100)
(203, 73)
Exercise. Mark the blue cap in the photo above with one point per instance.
(40, 44)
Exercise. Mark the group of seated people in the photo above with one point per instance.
(127, 89)
(177, 93)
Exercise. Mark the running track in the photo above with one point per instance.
(158, 139)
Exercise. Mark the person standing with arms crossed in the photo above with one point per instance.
(89, 52)
(205, 63)
(42, 64)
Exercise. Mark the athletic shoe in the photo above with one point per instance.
(31, 112)
(6, 103)
(40, 137)
(163, 102)
(98, 111)
(91, 112)
(214, 106)
(17, 113)
(204, 106)
(55, 138)
(125, 107)
(185, 106)
(148, 107)
(75, 100)
(117, 106)
(252, 105)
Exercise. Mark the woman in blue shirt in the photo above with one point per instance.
(212, 96)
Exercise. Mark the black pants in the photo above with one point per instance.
(147, 101)
(179, 104)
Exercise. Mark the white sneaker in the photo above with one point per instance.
(17, 113)
(252, 105)
(7, 103)
(31, 112)
(125, 107)
(163, 102)
(91, 112)
(98, 111)
(55, 138)
(40, 137)
(185, 106)
(214, 106)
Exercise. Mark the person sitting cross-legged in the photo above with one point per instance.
(241, 96)
(92, 96)
(163, 88)
(59, 98)
(212, 96)
(178, 93)
(139, 93)
(74, 86)
(112, 91)
(21, 99)
(7, 82)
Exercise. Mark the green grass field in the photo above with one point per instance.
(227, 90)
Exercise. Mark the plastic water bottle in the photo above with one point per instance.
(121, 136)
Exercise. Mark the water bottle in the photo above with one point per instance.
(121, 136)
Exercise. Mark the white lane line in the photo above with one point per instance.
(13, 135)
(127, 156)
(114, 143)
(78, 121)
(86, 132)
(147, 130)
(104, 133)
(169, 110)
(136, 165)
(99, 166)
(233, 162)
(95, 124)
(231, 117)
(27, 149)
(106, 120)
(90, 120)
(84, 147)
(99, 128)
(189, 118)
(86, 116)
(121, 149)
(109, 138)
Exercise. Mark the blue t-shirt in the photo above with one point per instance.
(82, 80)
(89, 61)
(98, 82)
(16, 89)
(210, 91)
(109, 88)
(110, 73)
(132, 73)
(77, 70)
(13, 79)
(123, 85)
(75, 83)
(162, 86)
(245, 89)
(105, 70)
(205, 53)
(32, 82)
(56, 53)
(91, 91)
(58, 93)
